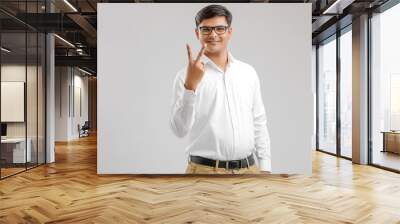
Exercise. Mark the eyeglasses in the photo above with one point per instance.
(206, 30)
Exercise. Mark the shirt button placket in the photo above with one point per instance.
(229, 99)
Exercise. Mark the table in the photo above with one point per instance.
(391, 141)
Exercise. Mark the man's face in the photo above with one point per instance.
(216, 40)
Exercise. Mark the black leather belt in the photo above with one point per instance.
(227, 164)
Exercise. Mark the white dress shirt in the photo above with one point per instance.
(225, 116)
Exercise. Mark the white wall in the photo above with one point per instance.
(61, 103)
(68, 81)
(139, 55)
(80, 83)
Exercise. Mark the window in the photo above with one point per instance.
(346, 93)
(327, 96)
(385, 89)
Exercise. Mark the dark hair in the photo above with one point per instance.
(213, 11)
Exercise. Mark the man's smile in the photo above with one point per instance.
(213, 42)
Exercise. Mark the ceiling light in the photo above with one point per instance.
(64, 40)
(84, 71)
(331, 7)
(70, 5)
(337, 7)
(5, 50)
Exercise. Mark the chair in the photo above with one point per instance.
(84, 130)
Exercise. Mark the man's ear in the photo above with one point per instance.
(197, 33)
(230, 30)
(229, 33)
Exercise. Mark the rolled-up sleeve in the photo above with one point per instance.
(261, 134)
(183, 107)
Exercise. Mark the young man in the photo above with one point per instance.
(217, 101)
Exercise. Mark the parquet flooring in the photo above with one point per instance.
(10, 171)
(70, 191)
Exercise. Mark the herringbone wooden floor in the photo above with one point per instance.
(70, 191)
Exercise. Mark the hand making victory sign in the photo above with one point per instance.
(195, 69)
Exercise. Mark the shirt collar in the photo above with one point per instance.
(206, 59)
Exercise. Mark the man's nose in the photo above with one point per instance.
(213, 33)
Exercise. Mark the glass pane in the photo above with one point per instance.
(386, 89)
(327, 96)
(346, 93)
(32, 95)
(13, 87)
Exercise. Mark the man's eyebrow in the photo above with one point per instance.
(215, 25)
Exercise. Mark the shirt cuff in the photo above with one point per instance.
(189, 97)
(264, 164)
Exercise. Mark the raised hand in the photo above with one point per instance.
(195, 69)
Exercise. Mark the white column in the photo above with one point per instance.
(50, 92)
(50, 100)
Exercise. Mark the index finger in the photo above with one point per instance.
(189, 51)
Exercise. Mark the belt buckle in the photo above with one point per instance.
(233, 162)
